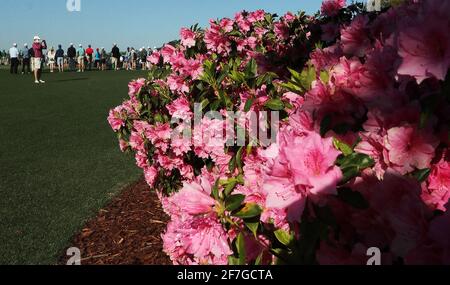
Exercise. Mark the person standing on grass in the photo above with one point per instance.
(51, 59)
(115, 57)
(89, 54)
(104, 58)
(134, 58)
(25, 59)
(14, 59)
(80, 55)
(97, 59)
(143, 55)
(36, 61)
(60, 58)
(72, 54)
(127, 59)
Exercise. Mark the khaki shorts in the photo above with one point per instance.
(36, 63)
(81, 60)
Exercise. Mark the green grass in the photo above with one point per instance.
(59, 159)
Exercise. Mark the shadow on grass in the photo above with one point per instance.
(72, 79)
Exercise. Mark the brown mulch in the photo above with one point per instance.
(127, 232)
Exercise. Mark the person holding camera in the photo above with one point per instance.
(36, 61)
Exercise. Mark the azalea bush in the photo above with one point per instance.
(358, 156)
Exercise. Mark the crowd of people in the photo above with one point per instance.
(35, 58)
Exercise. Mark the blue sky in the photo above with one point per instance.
(134, 23)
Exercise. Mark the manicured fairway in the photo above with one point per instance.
(59, 159)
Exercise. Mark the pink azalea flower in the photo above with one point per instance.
(289, 17)
(180, 108)
(115, 120)
(216, 41)
(193, 68)
(167, 52)
(437, 194)
(331, 7)
(150, 174)
(193, 199)
(243, 23)
(187, 37)
(312, 160)
(354, 38)
(281, 193)
(141, 159)
(325, 58)
(424, 47)
(226, 24)
(177, 84)
(135, 86)
(155, 57)
(281, 30)
(256, 16)
(123, 145)
(409, 148)
(197, 241)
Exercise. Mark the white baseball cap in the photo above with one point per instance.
(71, 44)
(14, 45)
(80, 45)
(25, 45)
(36, 38)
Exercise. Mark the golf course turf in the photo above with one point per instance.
(59, 159)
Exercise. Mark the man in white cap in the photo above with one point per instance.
(14, 58)
(36, 60)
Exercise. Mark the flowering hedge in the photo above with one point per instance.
(360, 157)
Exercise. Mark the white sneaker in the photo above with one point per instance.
(37, 82)
(41, 81)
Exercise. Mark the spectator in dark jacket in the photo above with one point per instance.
(115, 57)
(60, 58)
(71, 54)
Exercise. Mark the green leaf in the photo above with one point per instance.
(251, 69)
(275, 104)
(240, 245)
(215, 190)
(230, 187)
(234, 202)
(232, 164)
(250, 210)
(248, 104)
(233, 261)
(239, 162)
(253, 227)
(325, 77)
(343, 147)
(204, 104)
(353, 164)
(284, 237)
(421, 174)
(259, 259)
(353, 198)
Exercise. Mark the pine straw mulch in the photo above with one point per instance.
(127, 232)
